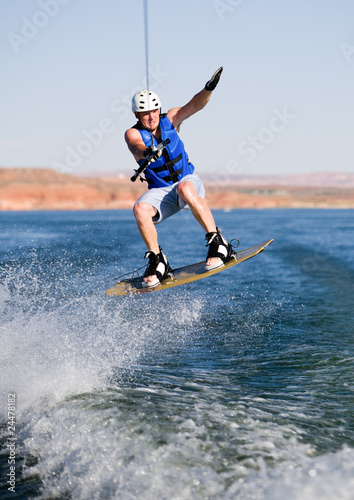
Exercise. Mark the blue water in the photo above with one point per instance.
(239, 386)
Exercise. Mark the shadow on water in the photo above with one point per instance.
(326, 284)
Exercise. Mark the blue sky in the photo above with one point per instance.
(284, 103)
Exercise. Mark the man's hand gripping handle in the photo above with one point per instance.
(153, 154)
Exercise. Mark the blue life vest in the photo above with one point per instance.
(173, 163)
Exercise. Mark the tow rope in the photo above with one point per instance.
(146, 36)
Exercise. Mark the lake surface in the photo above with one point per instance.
(239, 386)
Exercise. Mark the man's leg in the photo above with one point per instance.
(144, 212)
(200, 210)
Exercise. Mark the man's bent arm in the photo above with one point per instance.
(135, 143)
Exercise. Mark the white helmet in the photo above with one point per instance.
(145, 100)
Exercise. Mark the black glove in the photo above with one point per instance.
(149, 152)
(214, 80)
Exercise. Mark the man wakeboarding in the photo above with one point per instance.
(155, 144)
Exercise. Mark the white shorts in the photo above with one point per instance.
(166, 200)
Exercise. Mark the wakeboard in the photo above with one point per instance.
(183, 275)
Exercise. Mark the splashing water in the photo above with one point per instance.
(233, 388)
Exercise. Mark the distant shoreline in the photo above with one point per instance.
(34, 189)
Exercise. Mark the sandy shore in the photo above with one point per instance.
(46, 189)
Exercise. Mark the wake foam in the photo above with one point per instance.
(54, 346)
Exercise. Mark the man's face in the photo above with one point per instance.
(149, 119)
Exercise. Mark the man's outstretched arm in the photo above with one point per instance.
(178, 115)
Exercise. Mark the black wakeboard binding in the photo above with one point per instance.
(158, 266)
(219, 247)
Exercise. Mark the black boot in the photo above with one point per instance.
(218, 247)
(158, 266)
